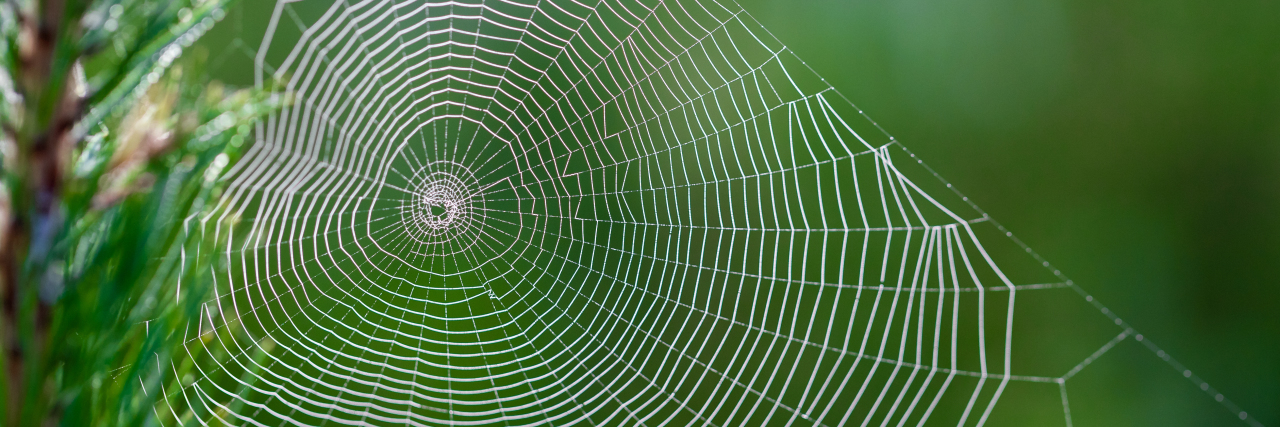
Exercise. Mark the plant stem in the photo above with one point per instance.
(44, 143)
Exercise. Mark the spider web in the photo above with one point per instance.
(557, 212)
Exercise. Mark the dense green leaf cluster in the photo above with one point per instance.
(114, 260)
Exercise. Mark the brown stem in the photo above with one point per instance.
(34, 221)
(14, 238)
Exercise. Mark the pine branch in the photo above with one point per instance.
(101, 182)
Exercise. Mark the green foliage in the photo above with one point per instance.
(140, 267)
(128, 269)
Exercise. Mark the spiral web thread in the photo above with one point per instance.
(558, 212)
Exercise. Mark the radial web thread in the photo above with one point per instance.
(558, 212)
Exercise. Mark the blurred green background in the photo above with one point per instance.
(1135, 144)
